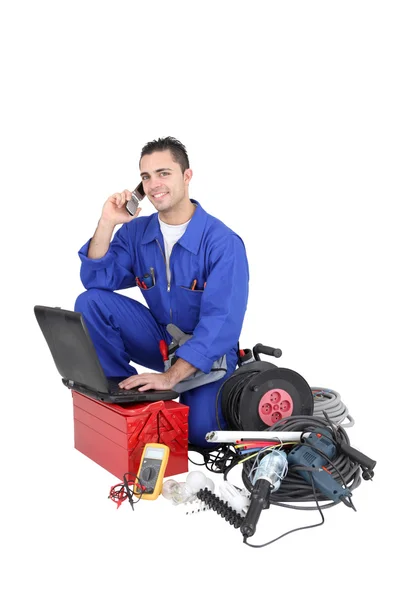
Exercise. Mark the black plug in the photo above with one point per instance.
(366, 463)
(367, 473)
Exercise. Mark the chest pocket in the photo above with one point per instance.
(188, 303)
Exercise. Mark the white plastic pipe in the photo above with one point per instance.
(232, 437)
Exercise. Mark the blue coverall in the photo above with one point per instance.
(124, 330)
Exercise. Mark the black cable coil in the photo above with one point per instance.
(231, 392)
(243, 392)
(294, 488)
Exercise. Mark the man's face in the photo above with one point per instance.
(163, 181)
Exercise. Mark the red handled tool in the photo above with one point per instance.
(163, 349)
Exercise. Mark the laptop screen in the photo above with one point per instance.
(71, 347)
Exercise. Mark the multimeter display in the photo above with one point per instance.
(154, 453)
(152, 468)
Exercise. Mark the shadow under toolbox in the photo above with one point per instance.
(114, 436)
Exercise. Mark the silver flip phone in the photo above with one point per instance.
(137, 195)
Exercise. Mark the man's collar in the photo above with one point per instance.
(191, 238)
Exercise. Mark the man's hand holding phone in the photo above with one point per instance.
(114, 209)
(115, 212)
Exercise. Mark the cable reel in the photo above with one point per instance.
(259, 394)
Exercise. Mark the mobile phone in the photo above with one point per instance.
(137, 195)
(151, 470)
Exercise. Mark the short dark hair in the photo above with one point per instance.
(176, 148)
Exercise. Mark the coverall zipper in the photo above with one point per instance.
(168, 280)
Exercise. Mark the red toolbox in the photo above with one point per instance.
(114, 436)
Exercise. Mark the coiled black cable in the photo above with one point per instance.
(217, 459)
(294, 488)
(231, 392)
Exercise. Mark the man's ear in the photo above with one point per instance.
(187, 176)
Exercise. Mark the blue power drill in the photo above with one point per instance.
(304, 455)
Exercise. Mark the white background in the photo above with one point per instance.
(290, 115)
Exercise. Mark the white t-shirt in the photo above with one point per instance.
(171, 234)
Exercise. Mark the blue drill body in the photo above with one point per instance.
(304, 455)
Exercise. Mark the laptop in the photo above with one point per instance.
(78, 364)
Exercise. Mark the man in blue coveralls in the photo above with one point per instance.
(199, 283)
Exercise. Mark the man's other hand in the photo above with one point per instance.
(147, 381)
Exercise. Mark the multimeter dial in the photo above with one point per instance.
(151, 470)
(149, 474)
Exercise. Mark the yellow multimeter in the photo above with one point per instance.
(151, 470)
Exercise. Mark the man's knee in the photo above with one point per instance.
(88, 298)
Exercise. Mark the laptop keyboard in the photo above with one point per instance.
(117, 391)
